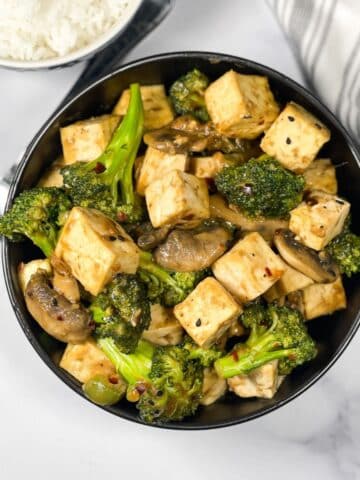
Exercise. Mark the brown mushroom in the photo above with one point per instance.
(150, 237)
(265, 226)
(186, 134)
(317, 265)
(63, 281)
(63, 320)
(193, 250)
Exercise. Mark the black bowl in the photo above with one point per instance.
(333, 334)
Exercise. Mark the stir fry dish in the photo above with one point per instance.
(187, 238)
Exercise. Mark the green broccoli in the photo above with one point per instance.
(37, 214)
(276, 333)
(96, 184)
(187, 94)
(206, 356)
(345, 250)
(164, 381)
(165, 287)
(122, 311)
(261, 187)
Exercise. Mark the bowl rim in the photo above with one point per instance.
(66, 378)
(95, 45)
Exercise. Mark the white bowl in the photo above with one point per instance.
(82, 53)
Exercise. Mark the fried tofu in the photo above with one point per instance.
(164, 329)
(240, 105)
(207, 312)
(156, 164)
(87, 139)
(52, 176)
(321, 175)
(214, 387)
(157, 108)
(177, 197)
(96, 249)
(249, 268)
(295, 138)
(318, 219)
(85, 360)
(290, 281)
(209, 166)
(323, 299)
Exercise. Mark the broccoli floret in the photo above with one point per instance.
(122, 311)
(206, 356)
(187, 95)
(165, 287)
(97, 184)
(261, 187)
(164, 381)
(37, 214)
(276, 333)
(345, 250)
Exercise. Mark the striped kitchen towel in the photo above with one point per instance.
(325, 36)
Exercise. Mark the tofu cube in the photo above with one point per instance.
(290, 281)
(177, 197)
(323, 299)
(52, 176)
(157, 108)
(321, 175)
(164, 329)
(85, 360)
(295, 138)
(318, 219)
(87, 139)
(207, 312)
(156, 164)
(95, 248)
(27, 270)
(241, 105)
(249, 268)
(262, 382)
(208, 167)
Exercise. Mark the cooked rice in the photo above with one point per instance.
(41, 29)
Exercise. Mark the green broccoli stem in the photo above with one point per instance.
(134, 367)
(244, 362)
(148, 265)
(120, 154)
(45, 243)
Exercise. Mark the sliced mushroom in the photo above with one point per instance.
(193, 250)
(265, 226)
(316, 265)
(150, 237)
(63, 281)
(186, 134)
(66, 321)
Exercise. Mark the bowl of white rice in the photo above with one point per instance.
(38, 34)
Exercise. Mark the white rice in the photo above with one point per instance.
(41, 29)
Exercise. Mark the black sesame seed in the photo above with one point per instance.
(288, 140)
(317, 125)
(111, 238)
(54, 302)
(291, 119)
(340, 202)
(198, 322)
(247, 116)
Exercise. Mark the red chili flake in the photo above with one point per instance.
(113, 379)
(121, 216)
(235, 356)
(268, 271)
(60, 318)
(99, 168)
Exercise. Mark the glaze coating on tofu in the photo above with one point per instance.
(323, 299)
(87, 139)
(214, 387)
(177, 197)
(241, 105)
(96, 248)
(209, 166)
(249, 268)
(157, 108)
(262, 382)
(85, 360)
(207, 312)
(164, 329)
(290, 281)
(295, 138)
(318, 219)
(321, 175)
(156, 164)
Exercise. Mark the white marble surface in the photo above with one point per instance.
(46, 431)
